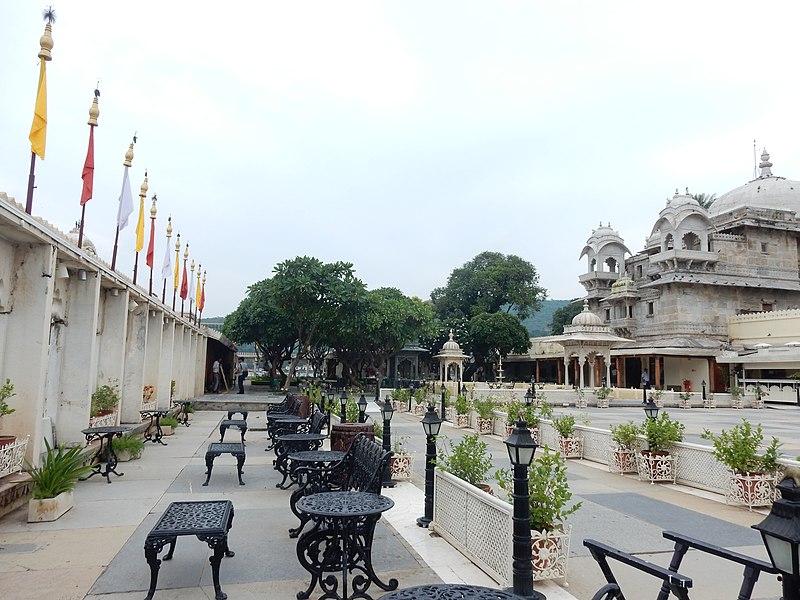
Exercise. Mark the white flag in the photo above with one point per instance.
(125, 202)
(166, 270)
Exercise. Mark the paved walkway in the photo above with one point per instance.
(96, 550)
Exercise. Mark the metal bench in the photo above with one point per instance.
(217, 448)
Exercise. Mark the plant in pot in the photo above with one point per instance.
(626, 441)
(469, 460)
(485, 409)
(514, 408)
(580, 397)
(752, 480)
(736, 396)
(758, 395)
(657, 396)
(571, 446)
(402, 461)
(550, 500)
(400, 399)
(685, 399)
(6, 392)
(463, 408)
(127, 447)
(105, 400)
(419, 398)
(54, 481)
(602, 393)
(656, 463)
(168, 425)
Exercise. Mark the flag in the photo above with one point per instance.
(202, 302)
(140, 226)
(38, 133)
(184, 283)
(151, 247)
(191, 283)
(177, 275)
(197, 293)
(125, 202)
(166, 270)
(88, 170)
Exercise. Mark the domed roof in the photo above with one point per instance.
(602, 237)
(586, 317)
(679, 200)
(86, 243)
(767, 191)
(451, 346)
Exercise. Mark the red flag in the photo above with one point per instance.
(202, 302)
(88, 170)
(152, 245)
(184, 283)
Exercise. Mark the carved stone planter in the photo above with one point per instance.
(400, 466)
(167, 429)
(49, 509)
(602, 402)
(534, 433)
(656, 467)
(108, 419)
(450, 414)
(399, 406)
(622, 461)
(549, 553)
(419, 409)
(580, 403)
(571, 447)
(485, 426)
(462, 421)
(751, 489)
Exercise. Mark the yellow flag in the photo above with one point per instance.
(177, 275)
(197, 293)
(39, 126)
(140, 226)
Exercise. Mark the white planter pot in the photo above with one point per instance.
(462, 421)
(400, 466)
(485, 426)
(571, 447)
(656, 467)
(49, 509)
(622, 461)
(602, 402)
(549, 553)
(167, 430)
(751, 489)
(420, 409)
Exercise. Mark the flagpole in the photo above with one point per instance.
(177, 262)
(38, 133)
(151, 246)
(197, 293)
(202, 298)
(88, 166)
(191, 285)
(169, 235)
(127, 164)
(185, 260)
(142, 195)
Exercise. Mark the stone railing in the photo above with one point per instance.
(12, 457)
(108, 420)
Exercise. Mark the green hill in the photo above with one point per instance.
(539, 324)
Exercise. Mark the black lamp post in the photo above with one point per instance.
(343, 398)
(703, 385)
(362, 409)
(387, 412)
(644, 393)
(533, 386)
(431, 423)
(463, 390)
(781, 534)
(529, 398)
(651, 410)
(410, 394)
(521, 447)
(329, 404)
(444, 402)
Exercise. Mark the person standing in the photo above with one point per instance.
(215, 368)
(241, 373)
(645, 380)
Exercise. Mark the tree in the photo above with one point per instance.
(492, 334)
(488, 283)
(563, 316)
(705, 200)
(313, 296)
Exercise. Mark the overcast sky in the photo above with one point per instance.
(404, 137)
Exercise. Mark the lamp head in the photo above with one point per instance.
(520, 444)
(387, 410)
(780, 530)
(651, 410)
(431, 423)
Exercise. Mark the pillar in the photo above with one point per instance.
(135, 349)
(152, 361)
(166, 367)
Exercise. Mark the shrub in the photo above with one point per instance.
(602, 392)
(737, 448)
(105, 398)
(169, 422)
(626, 435)
(469, 459)
(485, 407)
(662, 432)
(128, 443)
(462, 405)
(565, 425)
(6, 392)
(59, 471)
(513, 410)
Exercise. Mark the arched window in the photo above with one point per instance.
(691, 241)
(611, 264)
(668, 242)
(593, 265)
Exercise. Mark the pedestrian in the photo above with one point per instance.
(241, 372)
(645, 380)
(215, 368)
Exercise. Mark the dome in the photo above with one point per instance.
(766, 191)
(679, 200)
(86, 244)
(586, 317)
(451, 345)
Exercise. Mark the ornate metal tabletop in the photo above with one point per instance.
(344, 504)
(289, 419)
(302, 437)
(226, 447)
(317, 456)
(449, 591)
(104, 430)
(105, 452)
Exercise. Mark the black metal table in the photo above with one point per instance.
(183, 413)
(235, 449)
(238, 410)
(106, 450)
(450, 591)
(285, 422)
(340, 543)
(240, 424)
(291, 443)
(210, 521)
(155, 419)
(307, 458)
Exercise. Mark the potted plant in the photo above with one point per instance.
(602, 393)
(6, 392)
(685, 399)
(626, 441)
(420, 405)
(657, 396)
(513, 410)
(402, 461)
(752, 474)
(580, 397)
(105, 400)
(400, 399)
(550, 504)
(736, 396)
(127, 447)
(485, 409)
(469, 460)
(571, 446)
(759, 393)
(533, 415)
(463, 408)
(54, 481)
(656, 463)
(168, 425)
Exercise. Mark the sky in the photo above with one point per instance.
(405, 137)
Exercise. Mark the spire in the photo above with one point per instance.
(765, 164)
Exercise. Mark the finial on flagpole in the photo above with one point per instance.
(169, 227)
(153, 208)
(186, 252)
(178, 242)
(46, 41)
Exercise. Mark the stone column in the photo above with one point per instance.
(112, 330)
(135, 351)
(166, 364)
(152, 360)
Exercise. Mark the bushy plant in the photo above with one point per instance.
(662, 432)
(626, 435)
(128, 443)
(59, 471)
(105, 398)
(513, 410)
(485, 407)
(399, 444)
(469, 459)
(420, 395)
(6, 392)
(401, 395)
(602, 392)
(351, 410)
(564, 425)
(169, 422)
(462, 405)
(548, 489)
(737, 448)
(377, 430)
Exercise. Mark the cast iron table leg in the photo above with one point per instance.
(239, 465)
(209, 465)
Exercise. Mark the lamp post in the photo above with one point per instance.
(328, 406)
(533, 387)
(703, 385)
(343, 398)
(444, 402)
(529, 398)
(362, 409)
(781, 534)
(387, 412)
(521, 447)
(651, 410)
(431, 423)
(410, 394)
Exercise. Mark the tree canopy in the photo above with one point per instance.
(563, 316)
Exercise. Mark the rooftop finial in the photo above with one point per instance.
(765, 164)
